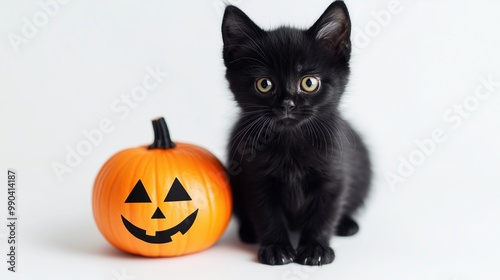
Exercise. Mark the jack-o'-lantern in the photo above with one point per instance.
(165, 199)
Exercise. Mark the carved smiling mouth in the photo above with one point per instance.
(163, 236)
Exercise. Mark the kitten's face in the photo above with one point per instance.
(287, 75)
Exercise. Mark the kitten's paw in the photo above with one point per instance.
(276, 254)
(315, 254)
(347, 227)
(247, 234)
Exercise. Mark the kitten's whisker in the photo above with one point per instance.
(251, 116)
(244, 106)
(313, 134)
(253, 105)
(244, 128)
(340, 131)
(244, 137)
(341, 144)
(270, 127)
(250, 136)
(342, 148)
(328, 129)
(324, 137)
(241, 126)
(257, 110)
(353, 133)
(308, 126)
(252, 109)
(240, 135)
(256, 140)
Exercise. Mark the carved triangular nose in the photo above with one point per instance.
(158, 214)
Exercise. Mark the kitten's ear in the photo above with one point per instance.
(238, 30)
(333, 29)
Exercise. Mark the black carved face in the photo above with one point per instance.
(176, 193)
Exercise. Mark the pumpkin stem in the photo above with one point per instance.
(162, 137)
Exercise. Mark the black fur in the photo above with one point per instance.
(297, 168)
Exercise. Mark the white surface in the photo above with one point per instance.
(441, 223)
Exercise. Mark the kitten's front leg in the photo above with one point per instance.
(268, 219)
(314, 248)
(275, 246)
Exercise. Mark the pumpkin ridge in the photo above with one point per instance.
(140, 162)
(107, 223)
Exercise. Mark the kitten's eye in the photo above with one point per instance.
(264, 85)
(309, 84)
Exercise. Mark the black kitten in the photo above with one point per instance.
(294, 163)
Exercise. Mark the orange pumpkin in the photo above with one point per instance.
(162, 200)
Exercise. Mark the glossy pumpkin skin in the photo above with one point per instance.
(201, 175)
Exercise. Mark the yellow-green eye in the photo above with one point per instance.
(309, 84)
(264, 85)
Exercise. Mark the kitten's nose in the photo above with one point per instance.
(287, 105)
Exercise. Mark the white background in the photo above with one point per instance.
(441, 223)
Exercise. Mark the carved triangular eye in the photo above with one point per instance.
(138, 194)
(177, 192)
